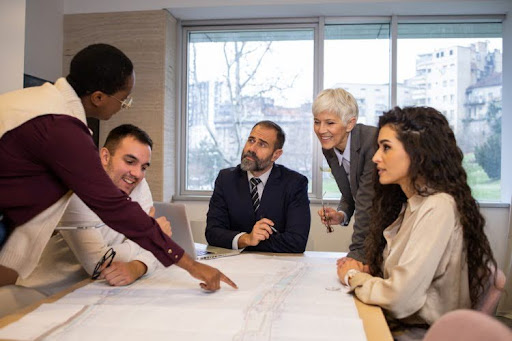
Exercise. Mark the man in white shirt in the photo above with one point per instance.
(125, 157)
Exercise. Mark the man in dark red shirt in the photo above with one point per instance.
(46, 150)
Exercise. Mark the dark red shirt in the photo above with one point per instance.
(47, 156)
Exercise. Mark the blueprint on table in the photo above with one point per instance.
(278, 299)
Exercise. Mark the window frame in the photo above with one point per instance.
(318, 25)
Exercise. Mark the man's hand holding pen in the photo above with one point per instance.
(262, 230)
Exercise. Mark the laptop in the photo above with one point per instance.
(182, 233)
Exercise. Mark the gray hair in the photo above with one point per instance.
(336, 101)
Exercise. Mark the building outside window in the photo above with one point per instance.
(475, 50)
(236, 76)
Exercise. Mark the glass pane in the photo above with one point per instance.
(462, 78)
(237, 78)
(357, 60)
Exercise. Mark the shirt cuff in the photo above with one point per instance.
(350, 273)
(345, 220)
(234, 243)
(358, 280)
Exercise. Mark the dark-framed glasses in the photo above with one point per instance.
(108, 257)
(125, 103)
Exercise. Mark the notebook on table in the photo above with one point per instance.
(182, 233)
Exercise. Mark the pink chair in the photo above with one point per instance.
(489, 300)
(468, 325)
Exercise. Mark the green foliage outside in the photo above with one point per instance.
(482, 187)
(488, 154)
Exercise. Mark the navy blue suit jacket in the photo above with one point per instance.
(284, 201)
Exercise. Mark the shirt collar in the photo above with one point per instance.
(346, 153)
(415, 201)
(263, 177)
(73, 102)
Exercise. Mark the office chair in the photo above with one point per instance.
(468, 325)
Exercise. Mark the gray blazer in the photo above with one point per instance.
(356, 193)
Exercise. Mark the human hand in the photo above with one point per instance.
(346, 263)
(330, 216)
(210, 276)
(260, 231)
(165, 225)
(123, 273)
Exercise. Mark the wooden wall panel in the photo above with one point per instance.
(144, 37)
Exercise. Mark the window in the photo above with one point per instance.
(236, 78)
(237, 75)
(477, 54)
(356, 58)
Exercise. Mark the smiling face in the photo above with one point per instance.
(392, 161)
(331, 131)
(128, 164)
(259, 155)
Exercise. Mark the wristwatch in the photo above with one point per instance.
(348, 276)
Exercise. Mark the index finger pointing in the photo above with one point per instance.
(226, 280)
(152, 212)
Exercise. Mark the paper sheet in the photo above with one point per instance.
(278, 299)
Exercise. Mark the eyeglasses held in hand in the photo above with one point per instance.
(125, 103)
(107, 257)
(327, 225)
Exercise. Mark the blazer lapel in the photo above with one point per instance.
(244, 193)
(355, 150)
(270, 191)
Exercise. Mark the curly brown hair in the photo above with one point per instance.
(437, 161)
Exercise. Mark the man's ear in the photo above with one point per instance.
(104, 156)
(351, 124)
(277, 154)
(98, 98)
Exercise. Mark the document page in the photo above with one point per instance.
(278, 299)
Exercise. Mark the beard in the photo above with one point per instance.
(256, 165)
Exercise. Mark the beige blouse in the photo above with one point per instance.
(425, 270)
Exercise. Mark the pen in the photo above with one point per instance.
(328, 226)
(261, 216)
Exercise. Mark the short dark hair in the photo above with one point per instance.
(124, 130)
(281, 136)
(99, 67)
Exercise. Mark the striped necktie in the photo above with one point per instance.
(254, 193)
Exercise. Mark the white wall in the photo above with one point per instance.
(12, 38)
(43, 44)
(201, 9)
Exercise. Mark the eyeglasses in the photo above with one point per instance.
(327, 225)
(125, 103)
(107, 257)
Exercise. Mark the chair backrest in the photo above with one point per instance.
(492, 294)
(468, 325)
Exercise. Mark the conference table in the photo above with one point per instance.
(374, 323)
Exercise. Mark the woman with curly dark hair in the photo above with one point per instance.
(427, 250)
